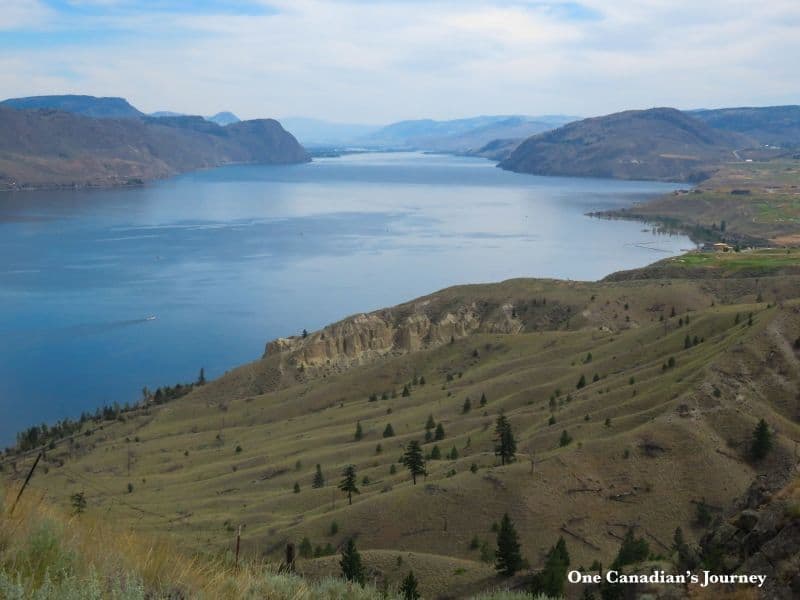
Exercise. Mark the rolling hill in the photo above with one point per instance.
(88, 106)
(49, 148)
(768, 125)
(658, 377)
(659, 143)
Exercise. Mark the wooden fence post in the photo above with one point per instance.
(24, 485)
(238, 541)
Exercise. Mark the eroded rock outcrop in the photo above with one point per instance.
(363, 338)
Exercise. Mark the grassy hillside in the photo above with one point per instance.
(677, 373)
(744, 202)
(772, 125)
(47, 148)
(659, 143)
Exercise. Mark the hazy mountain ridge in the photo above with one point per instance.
(88, 106)
(658, 143)
(460, 135)
(768, 125)
(49, 148)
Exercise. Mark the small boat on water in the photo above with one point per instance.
(150, 318)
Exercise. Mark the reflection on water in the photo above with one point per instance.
(229, 258)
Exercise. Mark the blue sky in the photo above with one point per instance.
(376, 61)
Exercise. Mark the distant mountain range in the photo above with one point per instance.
(770, 125)
(83, 140)
(458, 135)
(102, 108)
(659, 143)
(88, 106)
(45, 147)
(221, 118)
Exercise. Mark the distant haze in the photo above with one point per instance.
(373, 63)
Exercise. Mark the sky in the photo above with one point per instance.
(378, 61)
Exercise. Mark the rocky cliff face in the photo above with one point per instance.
(407, 328)
(763, 538)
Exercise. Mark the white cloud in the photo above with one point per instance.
(15, 14)
(377, 61)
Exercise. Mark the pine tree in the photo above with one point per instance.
(483, 400)
(413, 460)
(436, 453)
(305, 549)
(348, 483)
(550, 580)
(201, 378)
(631, 550)
(406, 391)
(352, 569)
(439, 435)
(389, 431)
(408, 589)
(467, 406)
(359, 432)
(430, 423)
(319, 479)
(505, 445)
(565, 439)
(296, 488)
(703, 514)
(78, 501)
(762, 440)
(581, 382)
(508, 559)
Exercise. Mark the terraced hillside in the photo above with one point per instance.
(657, 376)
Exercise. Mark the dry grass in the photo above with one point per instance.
(49, 554)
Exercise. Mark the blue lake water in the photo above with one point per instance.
(229, 258)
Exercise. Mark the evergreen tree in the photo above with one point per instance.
(413, 460)
(319, 479)
(430, 423)
(505, 445)
(565, 439)
(703, 514)
(201, 378)
(436, 453)
(352, 569)
(305, 549)
(467, 406)
(389, 431)
(408, 589)
(508, 559)
(483, 400)
(581, 382)
(78, 501)
(439, 435)
(762, 440)
(296, 488)
(406, 391)
(550, 580)
(359, 432)
(631, 550)
(348, 483)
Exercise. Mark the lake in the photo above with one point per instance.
(229, 258)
